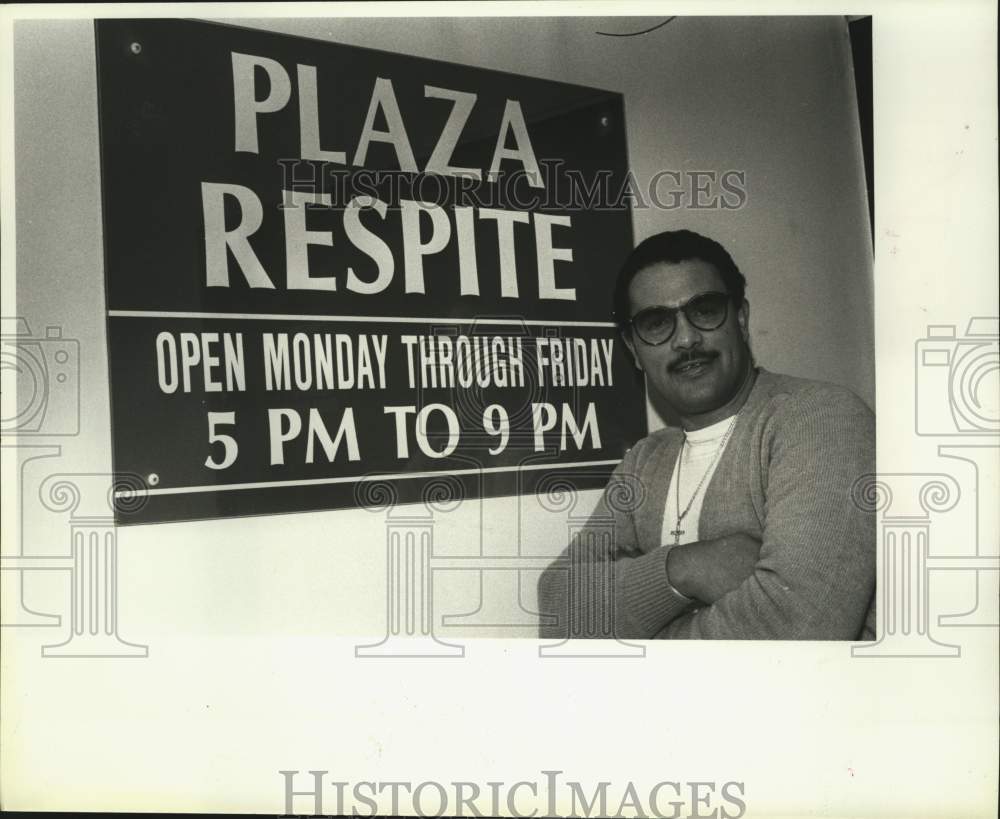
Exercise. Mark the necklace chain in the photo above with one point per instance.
(677, 532)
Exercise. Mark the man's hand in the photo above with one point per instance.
(708, 569)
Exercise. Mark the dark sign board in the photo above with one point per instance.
(333, 271)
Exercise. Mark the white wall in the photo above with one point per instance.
(771, 96)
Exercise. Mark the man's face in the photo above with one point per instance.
(695, 371)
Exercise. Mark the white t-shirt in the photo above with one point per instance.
(698, 456)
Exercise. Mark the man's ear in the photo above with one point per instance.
(630, 344)
(743, 317)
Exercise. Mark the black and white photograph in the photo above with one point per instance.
(391, 388)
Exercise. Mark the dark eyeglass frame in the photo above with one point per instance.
(682, 308)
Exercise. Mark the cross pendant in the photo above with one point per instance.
(677, 535)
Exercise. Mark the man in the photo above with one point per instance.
(741, 523)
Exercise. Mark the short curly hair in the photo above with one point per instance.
(673, 246)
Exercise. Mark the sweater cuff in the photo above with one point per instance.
(649, 600)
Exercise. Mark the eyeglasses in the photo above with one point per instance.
(706, 311)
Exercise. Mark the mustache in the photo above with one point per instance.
(692, 357)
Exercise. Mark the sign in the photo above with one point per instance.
(331, 269)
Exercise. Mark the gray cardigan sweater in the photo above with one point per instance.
(786, 478)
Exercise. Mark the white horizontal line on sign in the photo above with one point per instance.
(230, 487)
(358, 319)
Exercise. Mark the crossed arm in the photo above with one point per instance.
(595, 585)
(811, 576)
